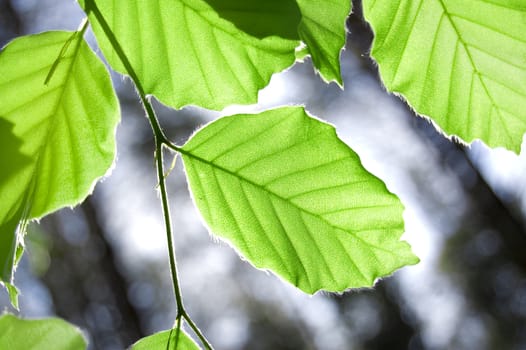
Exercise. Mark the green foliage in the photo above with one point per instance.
(295, 199)
(280, 185)
(190, 39)
(195, 52)
(58, 114)
(45, 334)
(322, 29)
(170, 339)
(462, 63)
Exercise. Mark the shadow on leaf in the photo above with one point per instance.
(261, 18)
(12, 162)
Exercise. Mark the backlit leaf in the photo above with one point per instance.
(194, 52)
(170, 339)
(294, 199)
(43, 334)
(57, 138)
(462, 63)
(322, 29)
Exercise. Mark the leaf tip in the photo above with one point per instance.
(13, 294)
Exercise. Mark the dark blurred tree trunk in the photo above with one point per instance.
(393, 329)
(396, 332)
(487, 259)
(85, 283)
(10, 23)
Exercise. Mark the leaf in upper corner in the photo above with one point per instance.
(294, 199)
(322, 29)
(462, 63)
(56, 139)
(169, 339)
(42, 334)
(209, 53)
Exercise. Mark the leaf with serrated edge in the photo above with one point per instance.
(197, 52)
(462, 63)
(294, 199)
(322, 29)
(178, 340)
(49, 333)
(63, 132)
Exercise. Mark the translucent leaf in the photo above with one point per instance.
(294, 199)
(57, 138)
(195, 52)
(462, 63)
(170, 339)
(50, 333)
(13, 294)
(322, 28)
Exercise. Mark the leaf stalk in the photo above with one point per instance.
(160, 141)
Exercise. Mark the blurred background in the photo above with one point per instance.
(104, 265)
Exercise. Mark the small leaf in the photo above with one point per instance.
(13, 294)
(44, 334)
(462, 63)
(166, 340)
(195, 52)
(294, 199)
(57, 138)
(322, 29)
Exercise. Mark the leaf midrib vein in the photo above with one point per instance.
(53, 121)
(474, 66)
(205, 161)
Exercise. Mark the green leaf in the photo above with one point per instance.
(322, 28)
(57, 138)
(195, 52)
(294, 199)
(12, 161)
(462, 63)
(166, 340)
(13, 294)
(44, 334)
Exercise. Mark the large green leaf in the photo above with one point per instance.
(195, 52)
(44, 334)
(322, 29)
(58, 114)
(293, 198)
(460, 62)
(166, 340)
